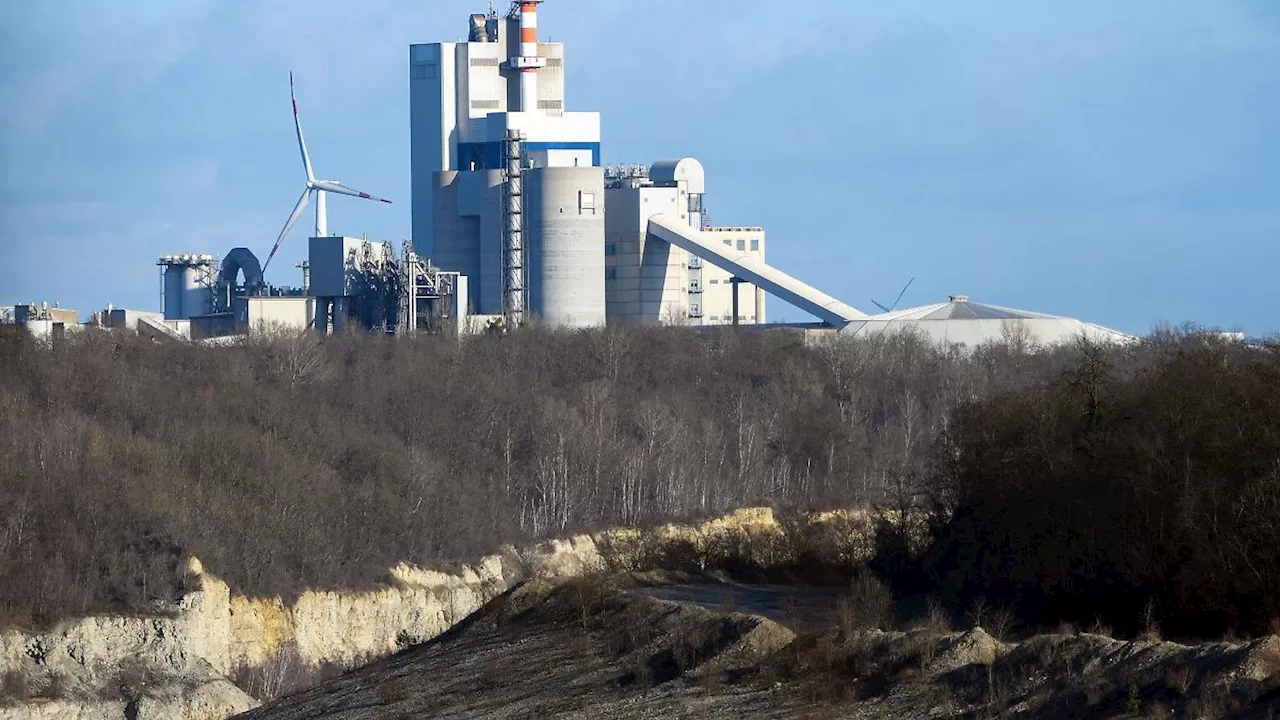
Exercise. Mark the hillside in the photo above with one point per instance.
(346, 491)
(587, 650)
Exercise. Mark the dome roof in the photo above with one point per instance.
(963, 322)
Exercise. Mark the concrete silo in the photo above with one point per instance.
(172, 288)
(188, 285)
(197, 290)
(564, 227)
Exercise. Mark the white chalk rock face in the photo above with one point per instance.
(176, 665)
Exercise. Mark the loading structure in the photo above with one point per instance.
(744, 267)
(667, 263)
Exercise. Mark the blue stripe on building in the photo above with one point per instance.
(488, 155)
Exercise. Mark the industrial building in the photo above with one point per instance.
(516, 221)
(649, 280)
(508, 190)
(44, 320)
(346, 283)
(959, 321)
(507, 185)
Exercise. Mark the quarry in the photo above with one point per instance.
(595, 626)
(552, 455)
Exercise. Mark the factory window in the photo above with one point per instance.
(611, 248)
(715, 281)
(485, 62)
(611, 273)
(742, 244)
(550, 105)
(728, 242)
(755, 245)
(425, 72)
(586, 201)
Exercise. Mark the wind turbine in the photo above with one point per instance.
(896, 300)
(319, 188)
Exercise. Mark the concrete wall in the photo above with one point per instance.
(123, 319)
(266, 313)
(645, 280)
(432, 132)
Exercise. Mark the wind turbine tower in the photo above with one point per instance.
(319, 188)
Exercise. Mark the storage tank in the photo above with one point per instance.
(172, 290)
(564, 245)
(196, 292)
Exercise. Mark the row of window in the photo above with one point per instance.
(742, 244)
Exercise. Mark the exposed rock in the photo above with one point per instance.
(974, 647)
(569, 557)
(1261, 659)
(210, 633)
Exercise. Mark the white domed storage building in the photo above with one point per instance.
(960, 321)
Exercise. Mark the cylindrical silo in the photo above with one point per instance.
(564, 245)
(173, 292)
(196, 292)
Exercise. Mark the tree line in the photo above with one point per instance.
(287, 462)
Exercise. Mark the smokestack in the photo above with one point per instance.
(529, 62)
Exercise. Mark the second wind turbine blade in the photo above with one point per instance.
(293, 218)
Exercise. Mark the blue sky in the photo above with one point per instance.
(1114, 161)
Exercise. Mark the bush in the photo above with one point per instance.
(1141, 490)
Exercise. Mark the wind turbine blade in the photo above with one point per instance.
(293, 218)
(873, 302)
(337, 187)
(904, 292)
(297, 124)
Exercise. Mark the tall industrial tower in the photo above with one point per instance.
(467, 101)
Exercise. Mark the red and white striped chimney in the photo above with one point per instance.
(529, 62)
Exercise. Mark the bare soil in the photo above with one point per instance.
(604, 648)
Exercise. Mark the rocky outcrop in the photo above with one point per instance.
(190, 648)
(177, 665)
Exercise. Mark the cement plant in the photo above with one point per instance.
(516, 221)
(555, 456)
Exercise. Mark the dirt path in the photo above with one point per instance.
(800, 609)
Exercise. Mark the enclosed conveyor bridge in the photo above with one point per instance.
(744, 266)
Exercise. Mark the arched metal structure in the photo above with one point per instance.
(238, 261)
